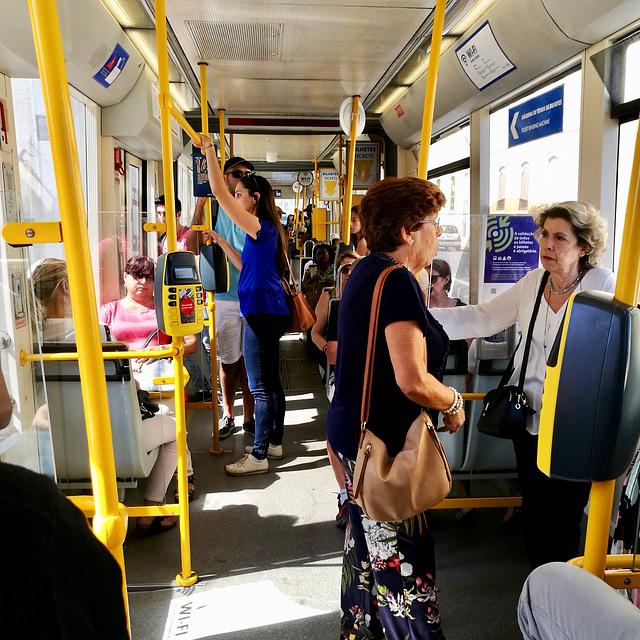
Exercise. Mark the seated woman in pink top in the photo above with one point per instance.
(132, 320)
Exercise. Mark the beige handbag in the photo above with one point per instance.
(301, 315)
(394, 489)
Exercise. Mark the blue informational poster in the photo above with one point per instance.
(511, 249)
(536, 118)
(112, 68)
(201, 186)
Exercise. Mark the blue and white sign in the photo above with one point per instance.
(277, 193)
(112, 68)
(511, 249)
(536, 118)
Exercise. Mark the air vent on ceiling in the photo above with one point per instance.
(100, 55)
(229, 41)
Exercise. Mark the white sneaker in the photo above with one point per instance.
(247, 466)
(274, 452)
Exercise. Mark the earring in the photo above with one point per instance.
(411, 240)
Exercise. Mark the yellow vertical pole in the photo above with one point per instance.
(187, 577)
(211, 302)
(109, 522)
(345, 239)
(316, 183)
(222, 141)
(430, 93)
(627, 289)
(346, 220)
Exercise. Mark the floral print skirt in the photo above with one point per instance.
(388, 573)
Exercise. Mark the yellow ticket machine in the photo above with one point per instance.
(178, 294)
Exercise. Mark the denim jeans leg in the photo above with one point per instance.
(262, 360)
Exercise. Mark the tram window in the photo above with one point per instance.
(519, 171)
(626, 147)
(35, 162)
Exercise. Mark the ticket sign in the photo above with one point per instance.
(536, 118)
(367, 165)
(329, 184)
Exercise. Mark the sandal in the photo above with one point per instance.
(191, 489)
(159, 524)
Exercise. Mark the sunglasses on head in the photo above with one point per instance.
(238, 173)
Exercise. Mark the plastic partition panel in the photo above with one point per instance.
(214, 269)
(590, 418)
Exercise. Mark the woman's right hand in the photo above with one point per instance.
(453, 421)
(215, 237)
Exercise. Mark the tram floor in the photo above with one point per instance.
(268, 554)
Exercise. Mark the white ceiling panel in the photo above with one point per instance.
(307, 56)
(291, 148)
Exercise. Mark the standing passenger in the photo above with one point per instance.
(572, 237)
(262, 303)
(229, 321)
(388, 573)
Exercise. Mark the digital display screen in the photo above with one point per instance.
(184, 273)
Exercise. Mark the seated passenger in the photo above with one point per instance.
(133, 320)
(319, 273)
(563, 601)
(329, 348)
(75, 585)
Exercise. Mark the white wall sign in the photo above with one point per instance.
(329, 184)
(367, 161)
(482, 58)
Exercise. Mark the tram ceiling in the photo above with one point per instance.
(297, 59)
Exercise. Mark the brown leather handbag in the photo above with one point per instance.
(394, 489)
(301, 315)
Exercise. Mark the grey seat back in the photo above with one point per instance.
(66, 417)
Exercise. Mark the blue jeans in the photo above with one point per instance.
(262, 335)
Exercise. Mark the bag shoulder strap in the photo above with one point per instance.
(148, 340)
(371, 344)
(527, 344)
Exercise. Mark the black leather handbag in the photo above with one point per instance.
(506, 408)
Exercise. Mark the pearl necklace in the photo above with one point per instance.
(573, 284)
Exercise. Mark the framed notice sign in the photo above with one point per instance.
(482, 58)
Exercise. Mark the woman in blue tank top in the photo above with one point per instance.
(262, 302)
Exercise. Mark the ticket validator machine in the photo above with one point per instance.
(590, 417)
(214, 268)
(178, 294)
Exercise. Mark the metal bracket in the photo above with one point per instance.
(5, 340)
(25, 234)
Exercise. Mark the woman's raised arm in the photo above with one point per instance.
(238, 214)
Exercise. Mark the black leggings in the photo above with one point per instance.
(552, 508)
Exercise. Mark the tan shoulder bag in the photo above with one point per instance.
(394, 489)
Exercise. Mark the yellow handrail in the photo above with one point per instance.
(109, 521)
(348, 193)
(211, 303)
(430, 92)
(627, 288)
(187, 577)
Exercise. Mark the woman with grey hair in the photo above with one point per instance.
(572, 237)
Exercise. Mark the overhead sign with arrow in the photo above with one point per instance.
(537, 118)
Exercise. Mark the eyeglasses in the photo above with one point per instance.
(149, 277)
(237, 173)
(436, 222)
(434, 278)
